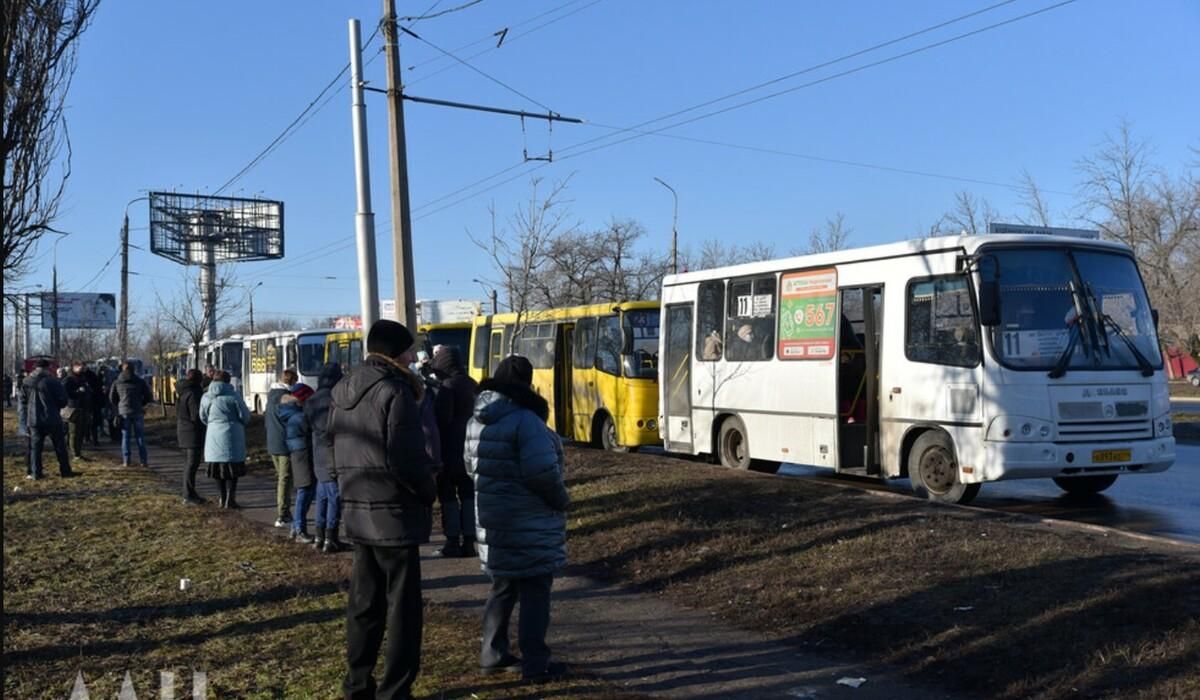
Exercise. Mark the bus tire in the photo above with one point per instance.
(1085, 485)
(608, 435)
(733, 445)
(933, 470)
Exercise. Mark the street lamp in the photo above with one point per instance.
(674, 229)
(491, 291)
(54, 299)
(251, 293)
(123, 332)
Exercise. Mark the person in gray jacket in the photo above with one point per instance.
(521, 500)
(130, 395)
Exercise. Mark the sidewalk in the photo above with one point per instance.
(634, 641)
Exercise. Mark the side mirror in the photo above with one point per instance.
(989, 291)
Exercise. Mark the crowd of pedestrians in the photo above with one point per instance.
(73, 408)
(373, 451)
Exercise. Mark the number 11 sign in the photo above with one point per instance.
(808, 315)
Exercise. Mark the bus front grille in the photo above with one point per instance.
(1101, 431)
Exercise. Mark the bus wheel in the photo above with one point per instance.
(733, 447)
(1085, 485)
(933, 470)
(608, 435)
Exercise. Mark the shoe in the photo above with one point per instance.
(232, 505)
(145, 466)
(553, 671)
(333, 545)
(301, 537)
(194, 501)
(468, 549)
(451, 550)
(71, 475)
(319, 541)
(31, 477)
(282, 523)
(81, 458)
(508, 664)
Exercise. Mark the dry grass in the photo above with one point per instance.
(978, 603)
(91, 584)
(1187, 428)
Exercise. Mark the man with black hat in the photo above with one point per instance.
(385, 478)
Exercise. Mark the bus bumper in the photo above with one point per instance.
(1025, 460)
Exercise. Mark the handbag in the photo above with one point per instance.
(67, 412)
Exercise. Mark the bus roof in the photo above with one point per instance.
(567, 312)
(967, 244)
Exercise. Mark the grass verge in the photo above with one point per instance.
(91, 585)
(975, 602)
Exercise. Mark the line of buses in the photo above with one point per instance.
(948, 361)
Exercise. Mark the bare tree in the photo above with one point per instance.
(1033, 201)
(716, 253)
(40, 54)
(833, 235)
(970, 216)
(1129, 199)
(518, 251)
(187, 312)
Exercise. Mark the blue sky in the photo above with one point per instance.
(182, 95)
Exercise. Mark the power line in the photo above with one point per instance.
(418, 18)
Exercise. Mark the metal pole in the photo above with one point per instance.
(364, 218)
(27, 341)
(208, 277)
(495, 302)
(402, 260)
(54, 311)
(123, 333)
(674, 228)
(251, 312)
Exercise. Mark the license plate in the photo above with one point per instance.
(1110, 456)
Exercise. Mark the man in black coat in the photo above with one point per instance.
(46, 398)
(385, 478)
(453, 406)
(99, 404)
(329, 503)
(189, 430)
(79, 406)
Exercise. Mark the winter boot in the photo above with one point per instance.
(319, 543)
(301, 537)
(468, 548)
(332, 543)
(451, 549)
(231, 489)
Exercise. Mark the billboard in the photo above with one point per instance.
(808, 315)
(80, 310)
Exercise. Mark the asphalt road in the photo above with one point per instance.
(1165, 504)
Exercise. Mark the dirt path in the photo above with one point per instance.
(635, 641)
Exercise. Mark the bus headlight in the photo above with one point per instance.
(1163, 427)
(1019, 429)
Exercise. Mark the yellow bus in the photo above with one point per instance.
(596, 365)
(347, 347)
(169, 368)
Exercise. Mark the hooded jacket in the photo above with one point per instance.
(276, 432)
(226, 416)
(316, 410)
(453, 405)
(129, 394)
(383, 472)
(45, 398)
(189, 429)
(291, 414)
(516, 463)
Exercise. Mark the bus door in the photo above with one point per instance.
(583, 378)
(676, 370)
(563, 420)
(859, 333)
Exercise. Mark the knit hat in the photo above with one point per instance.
(302, 392)
(514, 369)
(389, 338)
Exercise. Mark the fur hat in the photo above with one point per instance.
(514, 369)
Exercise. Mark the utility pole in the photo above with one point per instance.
(54, 310)
(495, 303)
(402, 259)
(364, 218)
(252, 306)
(123, 331)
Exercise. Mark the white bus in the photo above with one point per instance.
(224, 354)
(268, 354)
(950, 361)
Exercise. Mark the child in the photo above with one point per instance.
(291, 414)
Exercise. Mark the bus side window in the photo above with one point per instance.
(498, 347)
(608, 345)
(710, 318)
(750, 327)
(940, 327)
(479, 354)
(584, 353)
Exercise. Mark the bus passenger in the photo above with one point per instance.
(278, 449)
(189, 431)
(226, 416)
(454, 404)
(712, 346)
(291, 414)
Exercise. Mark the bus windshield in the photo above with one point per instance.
(231, 359)
(640, 356)
(1090, 301)
(312, 354)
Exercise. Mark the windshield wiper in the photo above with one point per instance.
(1104, 321)
(1060, 366)
(1097, 317)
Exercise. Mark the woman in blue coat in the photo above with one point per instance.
(226, 415)
(516, 463)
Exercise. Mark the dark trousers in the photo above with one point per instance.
(534, 595)
(456, 493)
(80, 426)
(385, 594)
(37, 442)
(190, 467)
